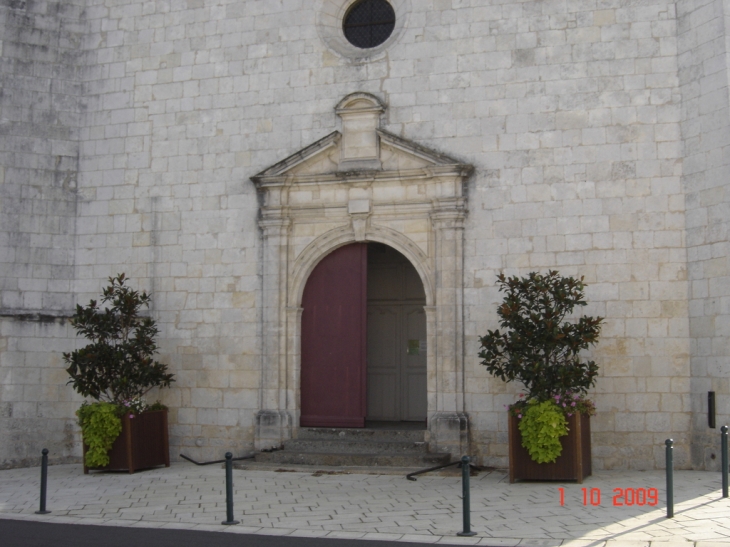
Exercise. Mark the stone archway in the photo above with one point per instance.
(363, 340)
(363, 184)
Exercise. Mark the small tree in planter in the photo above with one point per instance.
(116, 370)
(541, 349)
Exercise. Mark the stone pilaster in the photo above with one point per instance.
(273, 424)
(448, 421)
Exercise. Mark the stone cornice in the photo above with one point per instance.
(350, 177)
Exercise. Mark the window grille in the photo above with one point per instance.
(369, 23)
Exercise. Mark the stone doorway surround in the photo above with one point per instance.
(363, 184)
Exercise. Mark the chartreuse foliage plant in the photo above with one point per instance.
(540, 347)
(542, 425)
(117, 367)
(100, 425)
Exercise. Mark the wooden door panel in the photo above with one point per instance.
(383, 396)
(396, 338)
(383, 372)
(416, 408)
(334, 340)
(415, 405)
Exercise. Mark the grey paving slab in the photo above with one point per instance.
(384, 507)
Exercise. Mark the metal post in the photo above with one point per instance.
(723, 443)
(229, 490)
(670, 478)
(465, 469)
(44, 482)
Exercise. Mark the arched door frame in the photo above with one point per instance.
(308, 260)
(328, 242)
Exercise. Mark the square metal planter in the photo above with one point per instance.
(142, 444)
(573, 464)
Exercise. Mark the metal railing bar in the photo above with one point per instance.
(410, 476)
(250, 457)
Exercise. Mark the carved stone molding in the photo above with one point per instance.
(363, 184)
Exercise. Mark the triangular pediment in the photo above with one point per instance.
(322, 160)
(361, 151)
(319, 157)
(398, 154)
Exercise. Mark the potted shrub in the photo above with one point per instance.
(549, 426)
(116, 369)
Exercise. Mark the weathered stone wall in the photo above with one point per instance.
(704, 59)
(166, 154)
(36, 407)
(41, 103)
(570, 111)
(577, 132)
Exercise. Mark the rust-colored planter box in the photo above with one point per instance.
(573, 464)
(143, 443)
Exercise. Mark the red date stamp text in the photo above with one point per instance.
(622, 497)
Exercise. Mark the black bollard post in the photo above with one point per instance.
(44, 482)
(670, 478)
(465, 491)
(229, 490)
(723, 448)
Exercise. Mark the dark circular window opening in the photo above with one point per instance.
(369, 23)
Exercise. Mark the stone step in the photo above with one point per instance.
(362, 434)
(347, 460)
(358, 446)
(252, 465)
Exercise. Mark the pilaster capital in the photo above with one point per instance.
(274, 223)
(449, 213)
(294, 312)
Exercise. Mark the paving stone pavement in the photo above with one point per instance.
(386, 507)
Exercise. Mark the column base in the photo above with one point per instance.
(273, 427)
(449, 432)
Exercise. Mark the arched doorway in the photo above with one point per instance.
(396, 338)
(362, 184)
(363, 345)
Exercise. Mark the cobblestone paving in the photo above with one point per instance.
(382, 506)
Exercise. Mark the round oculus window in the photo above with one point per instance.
(369, 23)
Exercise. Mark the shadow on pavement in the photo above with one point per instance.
(19, 533)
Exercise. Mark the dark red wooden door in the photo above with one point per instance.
(334, 340)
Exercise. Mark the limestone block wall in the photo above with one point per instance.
(571, 112)
(703, 64)
(166, 154)
(36, 407)
(577, 131)
(41, 103)
(41, 107)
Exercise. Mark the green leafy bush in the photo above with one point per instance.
(539, 348)
(542, 425)
(117, 368)
(100, 425)
(118, 364)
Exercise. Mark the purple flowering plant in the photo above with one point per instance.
(134, 406)
(568, 403)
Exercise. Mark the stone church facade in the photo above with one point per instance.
(217, 151)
